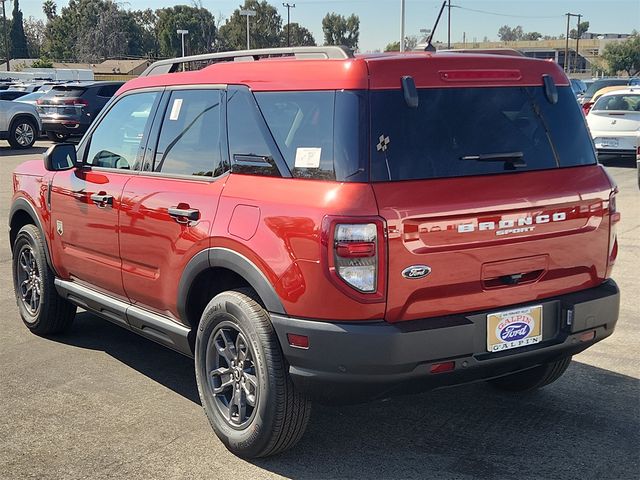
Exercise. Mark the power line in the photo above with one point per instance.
(504, 14)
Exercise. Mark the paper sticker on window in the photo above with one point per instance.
(175, 109)
(308, 157)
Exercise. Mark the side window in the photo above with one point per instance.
(248, 147)
(189, 142)
(115, 143)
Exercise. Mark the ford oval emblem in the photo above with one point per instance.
(416, 271)
(515, 331)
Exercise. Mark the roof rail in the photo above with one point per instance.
(485, 51)
(198, 62)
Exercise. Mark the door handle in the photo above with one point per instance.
(184, 215)
(102, 199)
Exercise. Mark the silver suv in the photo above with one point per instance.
(20, 124)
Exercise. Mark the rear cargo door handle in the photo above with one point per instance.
(101, 199)
(183, 214)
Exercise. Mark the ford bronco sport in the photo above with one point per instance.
(310, 224)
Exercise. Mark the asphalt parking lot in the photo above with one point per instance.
(101, 402)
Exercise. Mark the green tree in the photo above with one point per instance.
(34, 31)
(583, 27)
(410, 43)
(92, 30)
(42, 62)
(392, 47)
(509, 34)
(147, 20)
(264, 30)
(532, 36)
(340, 30)
(18, 39)
(623, 56)
(198, 21)
(49, 8)
(300, 36)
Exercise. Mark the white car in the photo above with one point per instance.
(614, 121)
(20, 124)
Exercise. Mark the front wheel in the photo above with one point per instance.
(43, 311)
(533, 378)
(242, 379)
(23, 133)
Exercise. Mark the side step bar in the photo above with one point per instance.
(150, 325)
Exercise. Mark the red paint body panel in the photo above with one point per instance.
(423, 220)
(286, 245)
(154, 247)
(375, 72)
(88, 249)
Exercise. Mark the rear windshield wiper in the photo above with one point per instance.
(511, 160)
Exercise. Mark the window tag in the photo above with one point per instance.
(308, 157)
(175, 109)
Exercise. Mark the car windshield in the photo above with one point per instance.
(475, 131)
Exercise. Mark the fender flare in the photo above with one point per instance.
(231, 260)
(21, 204)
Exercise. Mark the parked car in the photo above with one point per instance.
(30, 98)
(19, 124)
(68, 110)
(11, 94)
(578, 86)
(586, 99)
(326, 226)
(614, 121)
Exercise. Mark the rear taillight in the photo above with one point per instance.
(76, 102)
(614, 218)
(355, 256)
(586, 107)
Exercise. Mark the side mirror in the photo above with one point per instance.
(60, 157)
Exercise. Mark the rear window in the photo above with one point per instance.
(627, 103)
(598, 84)
(475, 131)
(67, 91)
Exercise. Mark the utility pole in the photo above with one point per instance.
(567, 62)
(6, 39)
(449, 26)
(248, 13)
(288, 6)
(402, 2)
(577, 44)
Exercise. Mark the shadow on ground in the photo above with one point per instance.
(617, 161)
(6, 150)
(586, 425)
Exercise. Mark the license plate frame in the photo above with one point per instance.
(515, 328)
(608, 142)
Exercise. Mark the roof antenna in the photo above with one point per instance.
(430, 47)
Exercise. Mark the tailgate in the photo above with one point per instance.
(493, 241)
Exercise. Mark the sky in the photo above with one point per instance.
(380, 19)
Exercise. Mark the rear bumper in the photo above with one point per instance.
(353, 362)
(68, 126)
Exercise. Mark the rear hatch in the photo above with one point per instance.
(63, 102)
(495, 189)
(614, 121)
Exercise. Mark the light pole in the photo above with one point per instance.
(289, 6)
(248, 13)
(182, 33)
(402, 25)
(6, 41)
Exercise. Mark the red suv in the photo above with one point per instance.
(310, 224)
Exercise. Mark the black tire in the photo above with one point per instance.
(280, 414)
(57, 137)
(43, 311)
(23, 133)
(533, 378)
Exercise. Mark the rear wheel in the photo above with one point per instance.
(533, 378)
(243, 383)
(57, 137)
(23, 133)
(43, 311)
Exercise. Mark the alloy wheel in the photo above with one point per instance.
(25, 134)
(29, 280)
(232, 377)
